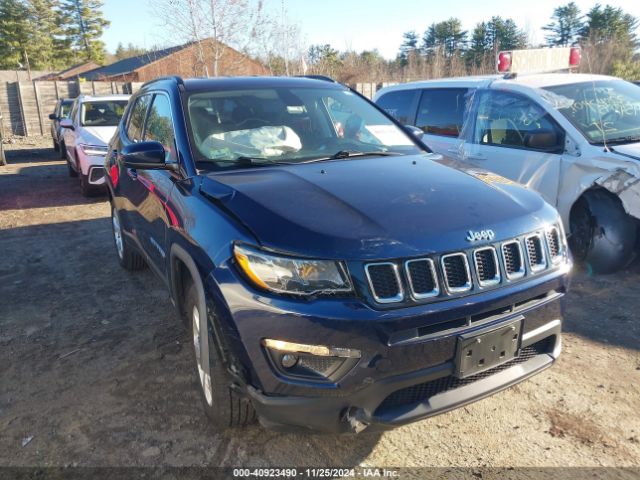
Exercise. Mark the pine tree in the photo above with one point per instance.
(565, 26)
(610, 23)
(447, 35)
(44, 32)
(408, 47)
(14, 34)
(85, 24)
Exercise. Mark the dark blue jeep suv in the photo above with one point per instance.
(334, 277)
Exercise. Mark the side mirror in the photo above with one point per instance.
(544, 140)
(415, 131)
(53, 116)
(67, 123)
(145, 156)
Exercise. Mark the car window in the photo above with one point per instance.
(64, 109)
(159, 126)
(510, 120)
(136, 118)
(104, 113)
(441, 111)
(288, 125)
(603, 110)
(400, 105)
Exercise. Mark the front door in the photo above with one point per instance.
(513, 136)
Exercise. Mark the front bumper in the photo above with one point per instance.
(93, 167)
(393, 383)
(407, 398)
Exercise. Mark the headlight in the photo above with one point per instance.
(289, 275)
(94, 150)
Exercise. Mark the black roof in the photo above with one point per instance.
(227, 83)
(131, 64)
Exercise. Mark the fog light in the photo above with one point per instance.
(319, 350)
(288, 360)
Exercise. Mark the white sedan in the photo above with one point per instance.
(91, 124)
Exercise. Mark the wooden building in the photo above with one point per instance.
(193, 59)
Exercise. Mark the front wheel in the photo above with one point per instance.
(603, 235)
(224, 407)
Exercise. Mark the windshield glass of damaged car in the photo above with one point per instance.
(290, 125)
(604, 111)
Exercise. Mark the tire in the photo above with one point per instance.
(86, 189)
(128, 257)
(222, 404)
(64, 156)
(603, 235)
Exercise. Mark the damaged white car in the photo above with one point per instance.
(575, 138)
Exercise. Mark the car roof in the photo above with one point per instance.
(529, 80)
(92, 98)
(240, 83)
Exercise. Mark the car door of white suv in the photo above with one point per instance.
(510, 134)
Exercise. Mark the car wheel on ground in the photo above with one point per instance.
(63, 155)
(224, 407)
(128, 257)
(603, 235)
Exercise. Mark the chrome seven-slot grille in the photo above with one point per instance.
(458, 272)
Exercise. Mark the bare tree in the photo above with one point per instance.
(214, 26)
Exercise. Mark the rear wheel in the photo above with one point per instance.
(129, 258)
(603, 235)
(224, 407)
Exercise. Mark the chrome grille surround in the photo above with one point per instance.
(392, 299)
(521, 271)
(432, 269)
(496, 265)
(539, 261)
(554, 242)
(531, 253)
(445, 271)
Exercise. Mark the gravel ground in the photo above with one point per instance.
(96, 371)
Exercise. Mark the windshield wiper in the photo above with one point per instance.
(623, 140)
(352, 153)
(245, 161)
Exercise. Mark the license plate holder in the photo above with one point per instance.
(477, 352)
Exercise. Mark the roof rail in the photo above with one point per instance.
(177, 79)
(319, 77)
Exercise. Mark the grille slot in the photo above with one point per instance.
(512, 258)
(487, 267)
(535, 253)
(553, 241)
(384, 282)
(422, 278)
(457, 276)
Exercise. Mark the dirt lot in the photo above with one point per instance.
(95, 369)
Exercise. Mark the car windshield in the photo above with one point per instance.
(604, 110)
(65, 107)
(289, 125)
(106, 113)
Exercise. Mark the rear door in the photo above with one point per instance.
(513, 136)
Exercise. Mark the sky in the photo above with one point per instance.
(354, 24)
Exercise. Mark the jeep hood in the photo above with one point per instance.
(371, 208)
(630, 150)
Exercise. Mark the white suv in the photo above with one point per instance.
(91, 124)
(575, 138)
